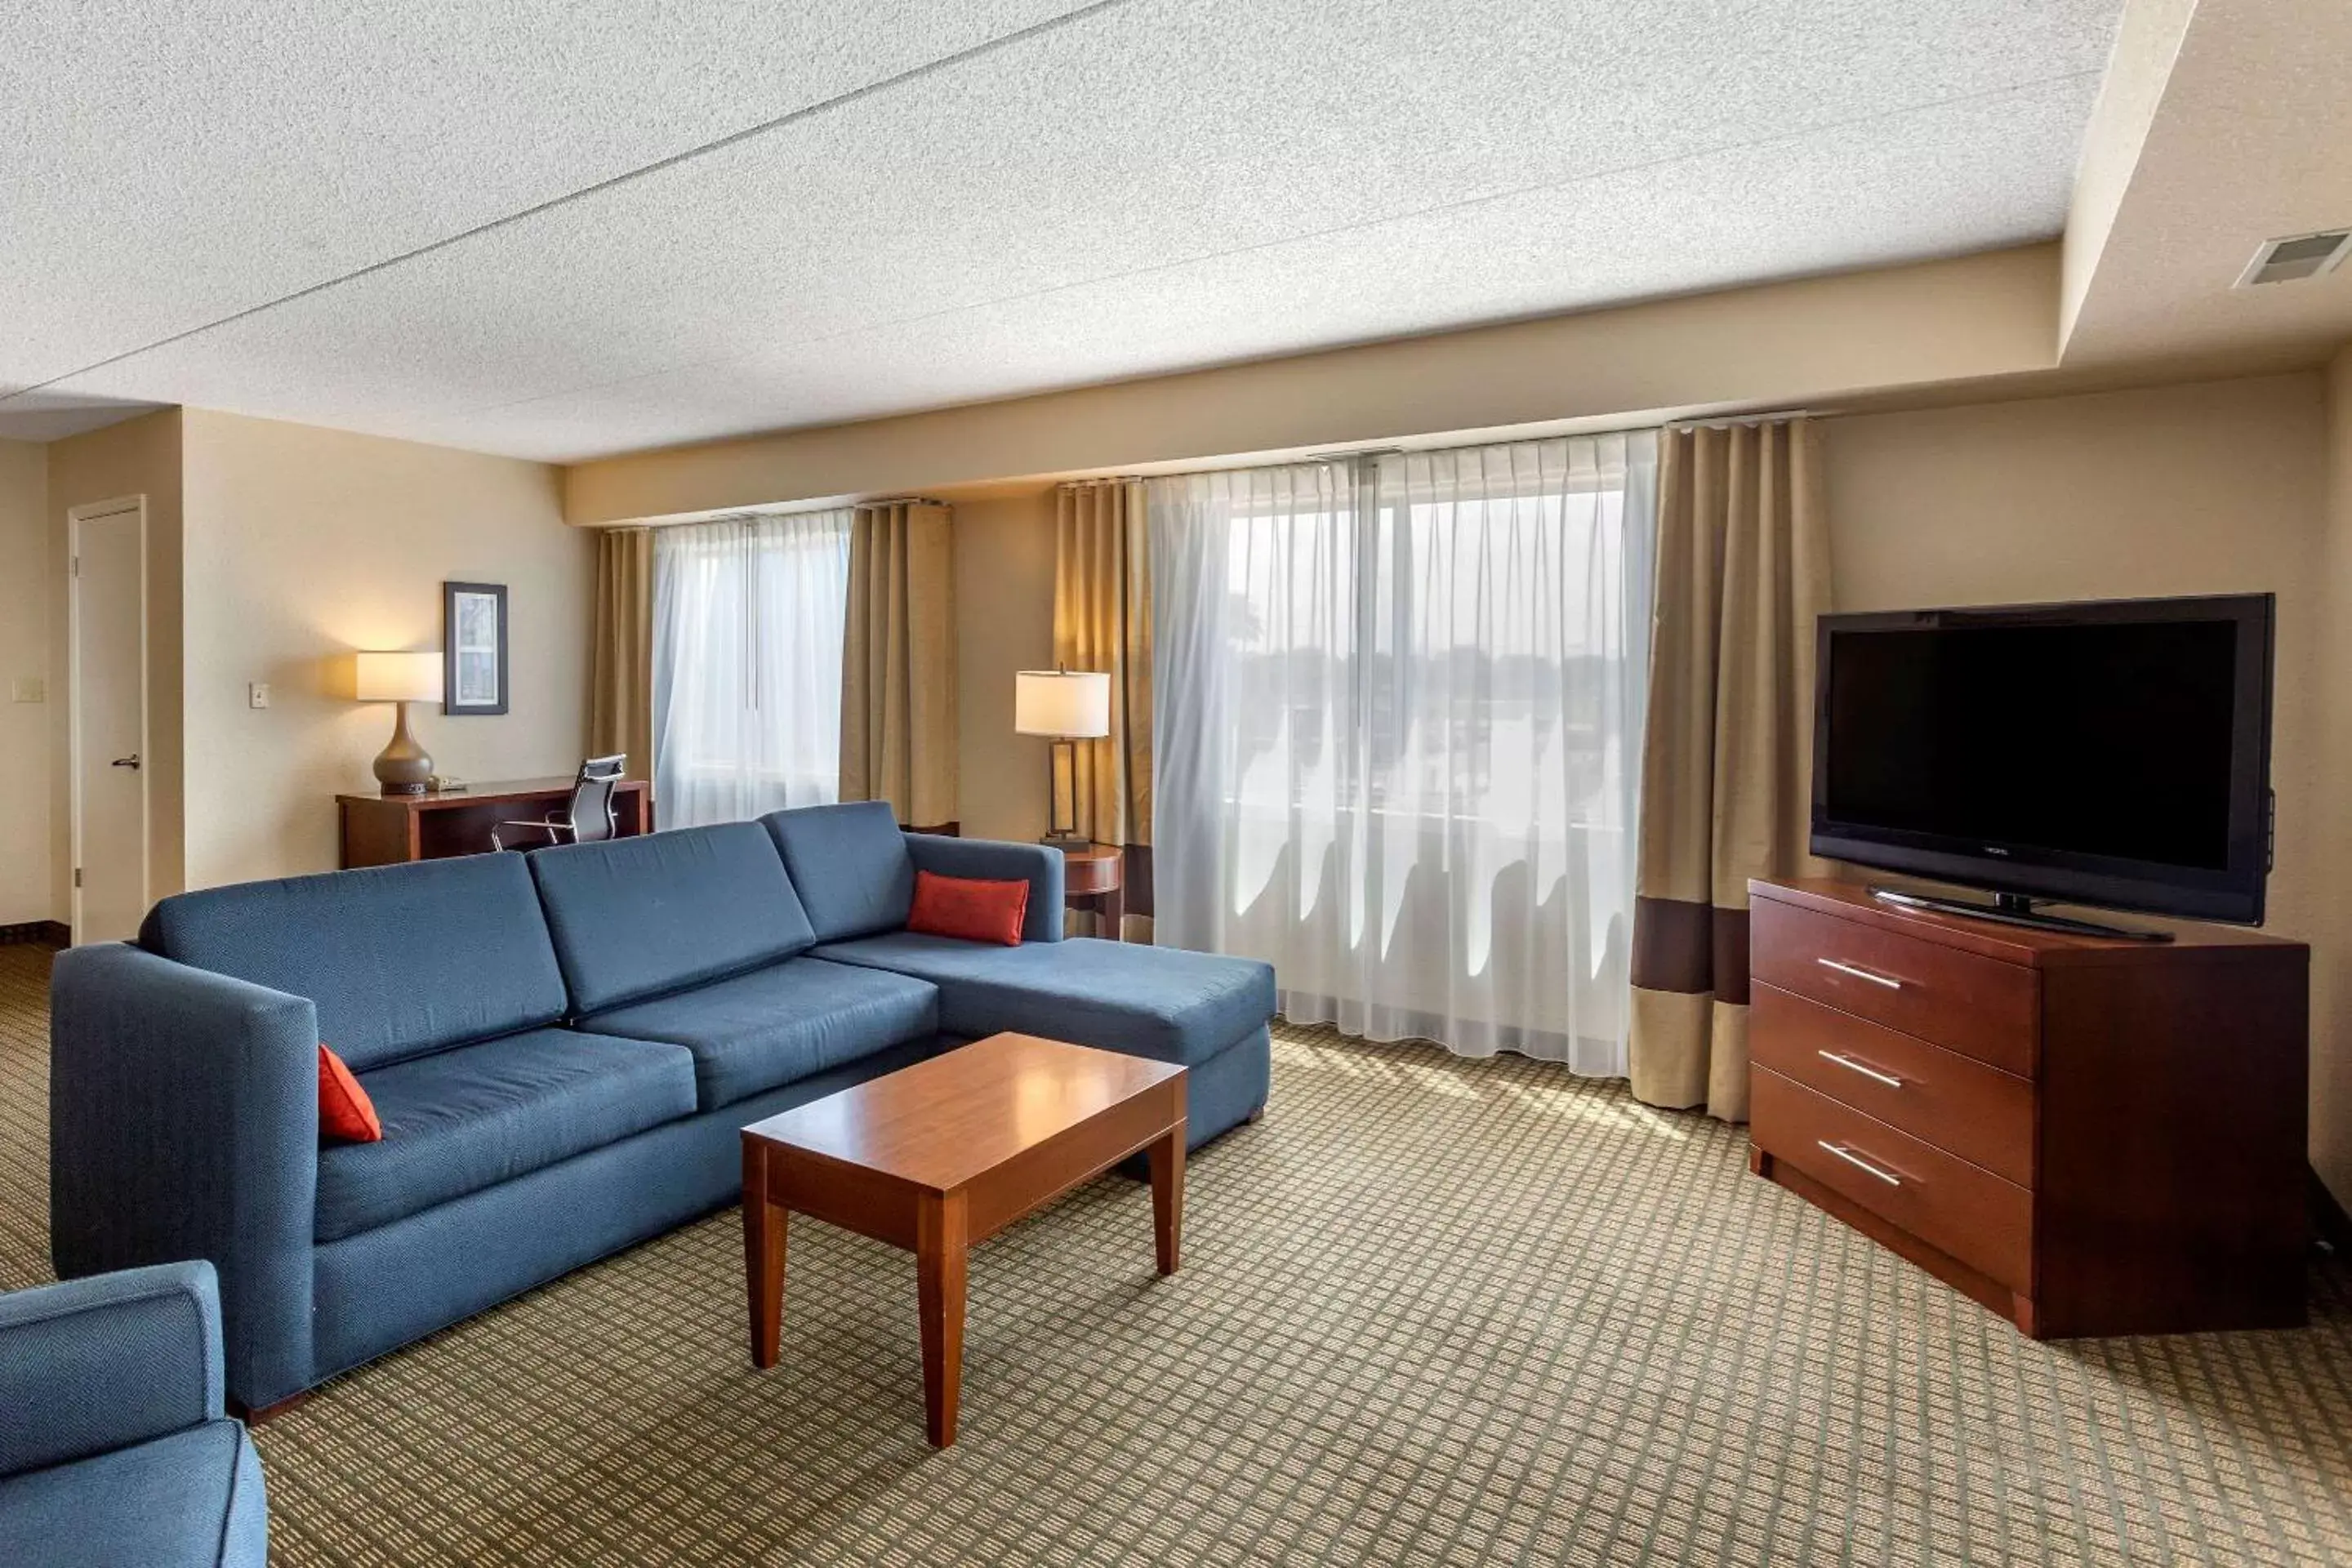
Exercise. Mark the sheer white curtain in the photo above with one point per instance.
(1399, 734)
(747, 620)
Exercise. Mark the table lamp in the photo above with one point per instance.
(401, 678)
(1067, 706)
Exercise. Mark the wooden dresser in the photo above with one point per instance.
(2089, 1136)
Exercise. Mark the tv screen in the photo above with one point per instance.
(2110, 753)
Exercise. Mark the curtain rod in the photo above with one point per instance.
(1733, 421)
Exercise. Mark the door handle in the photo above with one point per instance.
(131, 762)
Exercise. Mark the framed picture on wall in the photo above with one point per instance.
(473, 647)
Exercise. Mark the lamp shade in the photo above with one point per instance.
(400, 678)
(1070, 704)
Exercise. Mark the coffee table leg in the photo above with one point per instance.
(765, 1229)
(1168, 1196)
(943, 1252)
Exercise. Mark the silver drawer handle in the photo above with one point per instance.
(1888, 1078)
(1856, 1161)
(1887, 981)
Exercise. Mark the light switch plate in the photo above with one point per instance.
(257, 694)
(29, 688)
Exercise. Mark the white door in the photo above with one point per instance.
(109, 674)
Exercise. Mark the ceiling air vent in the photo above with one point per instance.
(2293, 260)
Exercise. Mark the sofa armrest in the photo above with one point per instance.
(101, 1363)
(183, 1122)
(997, 860)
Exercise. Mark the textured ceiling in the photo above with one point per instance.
(512, 229)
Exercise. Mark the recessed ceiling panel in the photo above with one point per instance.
(1159, 184)
(167, 165)
(1746, 215)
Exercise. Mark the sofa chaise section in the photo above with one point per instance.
(114, 1444)
(1206, 1012)
(856, 869)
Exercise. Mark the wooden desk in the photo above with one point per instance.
(387, 829)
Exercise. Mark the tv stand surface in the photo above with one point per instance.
(2089, 1136)
(2014, 910)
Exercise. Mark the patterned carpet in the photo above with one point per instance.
(1432, 1311)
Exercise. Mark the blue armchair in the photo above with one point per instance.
(113, 1445)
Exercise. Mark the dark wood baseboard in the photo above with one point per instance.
(48, 933)
(2328, 1220)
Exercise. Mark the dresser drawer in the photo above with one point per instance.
(1956, 1103)
(1943, 1200)
(1978, 1007)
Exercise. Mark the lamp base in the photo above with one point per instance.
(1065, 842)
(403, 767)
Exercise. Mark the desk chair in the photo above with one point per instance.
(589, 818)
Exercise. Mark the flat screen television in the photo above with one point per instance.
(2114, 754)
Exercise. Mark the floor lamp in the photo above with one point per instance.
(1066, 706)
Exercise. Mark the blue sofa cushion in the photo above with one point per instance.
(189, 1500)
(468, 1119)
(399, 960)
(1158, 1002)
(636, 917)
(770, 1027)
(851, 864)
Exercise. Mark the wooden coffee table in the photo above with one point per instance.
(947, 1152)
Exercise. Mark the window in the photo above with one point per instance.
(748, 624)
(1399, 735)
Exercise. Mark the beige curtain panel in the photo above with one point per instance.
(620, 672)
(1743, 571)
(898, 736)
(1102, 621)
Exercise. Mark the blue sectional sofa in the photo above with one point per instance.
(561, 1047)
(114, 1447)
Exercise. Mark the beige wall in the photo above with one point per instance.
(25, 890)
(139, 456)
(1005, 614)
(2208, 488)
(2331, 1064)
(305, 544)
(1776, 345)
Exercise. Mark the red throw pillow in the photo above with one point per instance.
(969, 907)
(345, 1112)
